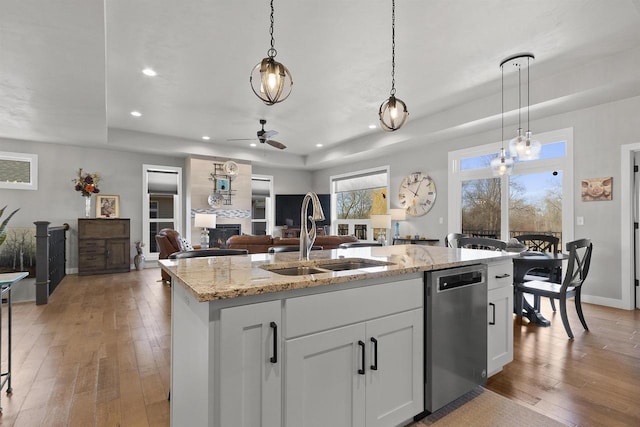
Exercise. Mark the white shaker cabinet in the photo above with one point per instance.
(251, 365)
(355, 363)
(499, 315)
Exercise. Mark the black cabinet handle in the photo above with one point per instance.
(503, 276)
(374, 367)
(361, 344)
(274, 358)
(493, 306)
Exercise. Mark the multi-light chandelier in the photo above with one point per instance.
(270, 80)
(523, 146)
(393, 111)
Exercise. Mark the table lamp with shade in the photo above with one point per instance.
(397, 215)
(384, 222)
(206, 221)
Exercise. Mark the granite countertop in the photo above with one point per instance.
(216, 278)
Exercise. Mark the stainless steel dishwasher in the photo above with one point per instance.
(455, 333)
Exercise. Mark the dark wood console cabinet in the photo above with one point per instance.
(103, 246)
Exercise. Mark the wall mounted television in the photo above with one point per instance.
(288, 209)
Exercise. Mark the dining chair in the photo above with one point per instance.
(357, 245)
(486, 243)
(283, 248)
(542, 243)
(451, 239)
(571, 286)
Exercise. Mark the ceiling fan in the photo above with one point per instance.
(264, 136)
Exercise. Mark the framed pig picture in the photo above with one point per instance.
(596, 189)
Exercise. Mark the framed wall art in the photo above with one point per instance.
(596, 189)
(222, 184)
(107, 206)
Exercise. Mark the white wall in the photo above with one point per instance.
(287, 181)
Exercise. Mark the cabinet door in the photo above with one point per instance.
(395, 368)
(117, 254)
(324, 379)
(500, 328)
(250, 365)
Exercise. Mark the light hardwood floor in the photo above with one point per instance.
(98, 354)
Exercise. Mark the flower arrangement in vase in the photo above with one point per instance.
(87, 184)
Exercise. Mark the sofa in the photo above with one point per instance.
(261, 244)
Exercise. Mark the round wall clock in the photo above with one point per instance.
(230, 168)
(417, 193)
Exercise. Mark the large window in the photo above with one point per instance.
(261, 205)
(536, 198)
(355, 197)
(161, 205)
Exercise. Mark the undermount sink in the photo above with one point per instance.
(297, 271)
(324, 266)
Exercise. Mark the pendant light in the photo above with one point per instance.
(532, 147)
(522, 147)
(502, 164)
(393, 111)
(270, 80)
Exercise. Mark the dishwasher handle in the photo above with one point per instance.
(457, 280)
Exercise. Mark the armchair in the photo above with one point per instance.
(169, 241)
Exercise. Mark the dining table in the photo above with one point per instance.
(523, 263)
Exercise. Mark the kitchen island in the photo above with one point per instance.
(256, 341)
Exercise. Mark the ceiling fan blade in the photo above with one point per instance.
(270, 133)
(276, 144)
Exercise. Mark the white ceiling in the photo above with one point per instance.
(71, 70)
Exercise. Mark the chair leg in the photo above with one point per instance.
(565, 320)
(518, 296)
(553, 304)
(578, 302)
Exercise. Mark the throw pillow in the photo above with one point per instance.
(185, 244)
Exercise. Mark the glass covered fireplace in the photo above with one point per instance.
(218, 236)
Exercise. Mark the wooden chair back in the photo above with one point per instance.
(485, 243)
(540, 242)
(578, 265)
(451, 240)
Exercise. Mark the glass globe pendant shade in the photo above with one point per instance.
(530, 149)
(271, 81)
(393, 114)
(516, 145)
(502, 164)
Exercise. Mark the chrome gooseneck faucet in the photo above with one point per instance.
(307, 238)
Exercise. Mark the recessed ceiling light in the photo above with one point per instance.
(206, 138)
(149, 72)
(136, 113)
(318, 145)
(372, 126)
(253, 144)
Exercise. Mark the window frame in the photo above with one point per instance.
(351, 222)
(177, 207)
(456, 176)
(32, 159)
